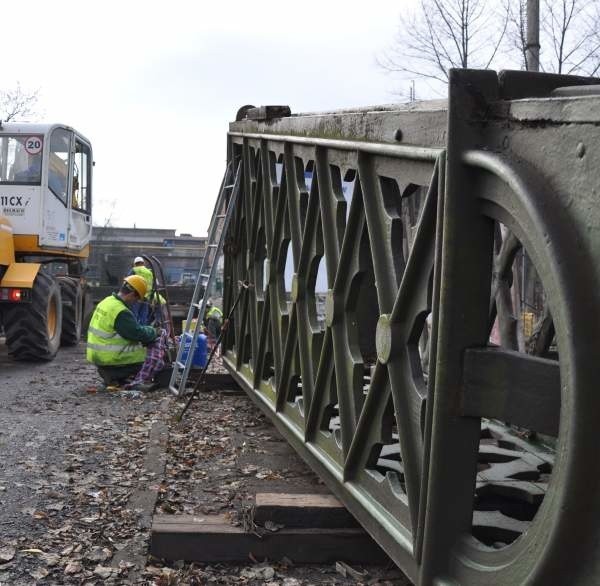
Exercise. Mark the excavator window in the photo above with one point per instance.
(58, 170)
(81, 197)
(21, 159)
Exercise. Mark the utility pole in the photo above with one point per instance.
(532, 49)
(525, 286)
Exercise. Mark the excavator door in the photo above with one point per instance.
(67, 194)
(80, 220)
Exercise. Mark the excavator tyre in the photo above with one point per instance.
(33, 330)
(72, 306)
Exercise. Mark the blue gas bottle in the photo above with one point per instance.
(200, 351)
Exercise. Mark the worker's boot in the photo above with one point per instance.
(144, 387)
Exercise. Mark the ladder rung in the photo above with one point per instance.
(198, 305)
(180, 364)
(229, 186)
(212, 245)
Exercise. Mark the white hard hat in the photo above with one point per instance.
(138, 259)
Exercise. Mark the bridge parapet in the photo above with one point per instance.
(422, 325)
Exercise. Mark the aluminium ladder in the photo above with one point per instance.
(216, 235)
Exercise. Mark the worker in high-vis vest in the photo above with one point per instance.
(141, 309)
(115, 342)
(213, 319)
(140, 268)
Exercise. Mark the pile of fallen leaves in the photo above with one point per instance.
(221, 454)
(201, 469)
(87, 524)
(83, 518)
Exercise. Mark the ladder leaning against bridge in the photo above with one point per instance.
(224, 207)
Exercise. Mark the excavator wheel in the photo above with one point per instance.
(33, 330)
(88, 309)
(72, 317)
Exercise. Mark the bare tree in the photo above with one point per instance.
(445, 34)
(571, 29)
(569, 35)
(516, 33)
(17, 103)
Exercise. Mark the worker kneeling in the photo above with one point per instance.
(116, 341)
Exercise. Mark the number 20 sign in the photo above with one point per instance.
(33, 145)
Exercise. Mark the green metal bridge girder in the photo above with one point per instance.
(388, 251)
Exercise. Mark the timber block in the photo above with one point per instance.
(216, 381)
(302, 510)
(212, 539)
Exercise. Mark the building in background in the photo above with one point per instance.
(113, 250)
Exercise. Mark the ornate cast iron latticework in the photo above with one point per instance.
(386, 333)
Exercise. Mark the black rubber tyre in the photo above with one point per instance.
(33, 329)
(72, 317)
(88, 310)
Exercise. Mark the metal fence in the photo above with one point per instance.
(452, 415)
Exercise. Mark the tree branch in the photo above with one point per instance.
(17, 103)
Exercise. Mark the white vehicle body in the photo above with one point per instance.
(45, 187)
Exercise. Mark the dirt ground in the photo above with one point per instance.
(83, 469)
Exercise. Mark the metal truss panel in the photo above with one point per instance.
(419, 327)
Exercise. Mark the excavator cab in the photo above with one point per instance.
(45, 223)
(45, 187)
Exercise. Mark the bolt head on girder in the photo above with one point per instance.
(329, 308)
(383, 338)
(295, 291)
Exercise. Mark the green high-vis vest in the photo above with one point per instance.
(214, 313)
(104, 345)
(146, 273)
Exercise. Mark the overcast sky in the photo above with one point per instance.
(154, 85)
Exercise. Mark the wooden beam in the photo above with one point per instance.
(302, 510)
(513, 387)
(216, 381)
(212, 539)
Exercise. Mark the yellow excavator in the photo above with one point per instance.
(45, 230)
